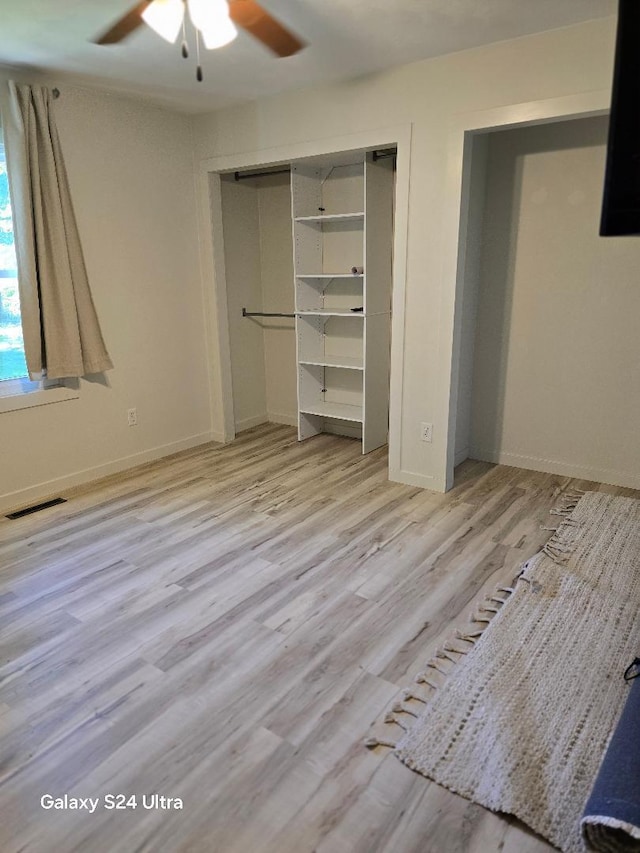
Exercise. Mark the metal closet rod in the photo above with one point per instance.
(246, 313)
(241, 175)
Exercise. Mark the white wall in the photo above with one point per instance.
(130, 168)
(556, 380)
(131, 174)
(430, 95)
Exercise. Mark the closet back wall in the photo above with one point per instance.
(259, 272)
(556, 385)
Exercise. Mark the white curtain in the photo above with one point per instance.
(62, 335)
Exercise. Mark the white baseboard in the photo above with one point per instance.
(51, 488)
(556, 466)
(249, 423)
(281, 418)
(410, 478)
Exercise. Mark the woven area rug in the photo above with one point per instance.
(516, 713)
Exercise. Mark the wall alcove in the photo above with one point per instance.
(308, 267)
(540, 385)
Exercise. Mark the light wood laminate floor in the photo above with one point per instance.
(225, 626)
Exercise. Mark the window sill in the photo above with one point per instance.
(41, 397)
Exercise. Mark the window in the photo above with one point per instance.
(12, 361)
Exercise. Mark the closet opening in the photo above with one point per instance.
(548, 308)
(308, 274)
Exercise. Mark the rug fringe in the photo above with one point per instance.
(558, 549)
(560, 546)
(440, 665)
(372, 742)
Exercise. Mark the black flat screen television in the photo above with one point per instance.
(621, 199)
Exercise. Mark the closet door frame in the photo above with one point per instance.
(216, 315)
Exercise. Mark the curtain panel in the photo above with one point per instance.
(62, 336)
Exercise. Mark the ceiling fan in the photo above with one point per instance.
(214, 21)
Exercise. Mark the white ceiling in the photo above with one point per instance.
(347, 38)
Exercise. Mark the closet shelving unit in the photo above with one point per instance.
(342, 218)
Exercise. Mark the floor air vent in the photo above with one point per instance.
(36, 508)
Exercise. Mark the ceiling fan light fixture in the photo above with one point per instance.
(211, 17)
(165, 18)
(223, 33)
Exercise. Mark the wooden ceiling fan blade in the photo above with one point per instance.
(125, 26)
(255, 20)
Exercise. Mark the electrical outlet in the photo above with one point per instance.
(426, 432)
(132, 417)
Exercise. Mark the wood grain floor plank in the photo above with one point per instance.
(227, 625)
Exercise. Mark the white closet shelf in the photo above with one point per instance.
(332, 217)
(345, 361)
(326, 276)
(342, 224)
(340, 411)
